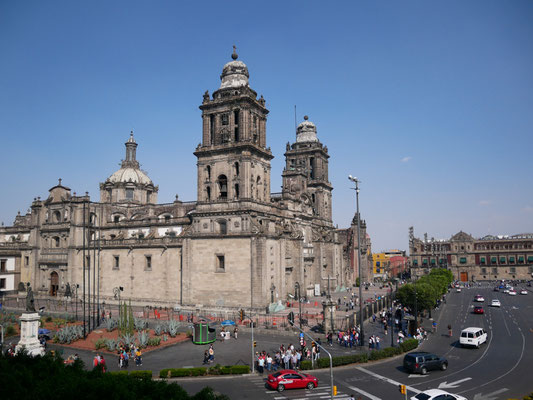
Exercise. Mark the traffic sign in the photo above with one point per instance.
(301, 334)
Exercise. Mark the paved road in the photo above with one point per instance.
(500, 369)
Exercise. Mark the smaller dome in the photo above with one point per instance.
(234, 74)
(129, 174)
(306, 131)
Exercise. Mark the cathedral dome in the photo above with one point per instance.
(234, 74)
(306, 131)
(129, 174)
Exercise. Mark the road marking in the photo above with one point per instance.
(370, 396)
(489, 396)
(417, 376)
(451, 385)
(384, 378)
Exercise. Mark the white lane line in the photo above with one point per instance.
(370, 396)
(384, 378)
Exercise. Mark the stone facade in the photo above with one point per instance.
(487, 258)
(238, 245)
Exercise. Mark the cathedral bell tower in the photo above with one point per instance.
(305, 176)
(233, 160)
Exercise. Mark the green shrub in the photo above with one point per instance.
(408, 345)
(199, 371)
(163, 374)
(240, 369)
(141, 374)
(100, 343)
(154, 341)
(119, 373)
(48, 319)
(10, 330)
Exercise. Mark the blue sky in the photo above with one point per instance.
(429, 103)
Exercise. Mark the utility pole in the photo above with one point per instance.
(361, 319)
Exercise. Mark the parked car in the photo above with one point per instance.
(473, 336)
(422, 362)
(437, 394)
(290, 379)
(478, 310)
(495, 303)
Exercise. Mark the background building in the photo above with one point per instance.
(238, 245)
(487, 258)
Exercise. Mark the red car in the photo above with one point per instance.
(290, 379)
(478, 310)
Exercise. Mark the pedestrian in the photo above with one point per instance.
(206, 357)
(235, 332)
(434, 326)
(138, 357)
(449, 330)
(102, 363)
(377, 339)
(269, 362)
(211, 354)
(260, 364)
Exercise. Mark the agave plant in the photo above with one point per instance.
(142, 337)
(140, 324)
(110, 324)
(128, 339)
(165, 338)
(111, 344)
(158, 329)
(173, 328)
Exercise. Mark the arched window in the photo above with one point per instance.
(236, 191)
(57, 241)
(57, 216)
(208, 172)
(208, 190)
(236, 166)
(223, 186)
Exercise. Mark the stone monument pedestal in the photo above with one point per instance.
(29, 335)
(329, 308)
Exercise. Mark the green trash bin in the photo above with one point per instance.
(203, 334)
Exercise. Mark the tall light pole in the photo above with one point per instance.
(356, 181)
(297, 293)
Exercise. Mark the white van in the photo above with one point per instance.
(473, 337)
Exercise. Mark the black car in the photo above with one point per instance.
(422, 362)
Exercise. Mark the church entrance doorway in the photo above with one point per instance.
(54, 283)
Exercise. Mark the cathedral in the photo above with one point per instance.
(238, 245)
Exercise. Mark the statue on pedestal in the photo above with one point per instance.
(30, 302)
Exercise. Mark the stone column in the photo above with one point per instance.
(329, 309)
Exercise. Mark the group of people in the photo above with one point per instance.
(209, 355)
(348, 338)
(286, 358)
(126, 353)
(98, 362)
(226, 334)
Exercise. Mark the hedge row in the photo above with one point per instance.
(136, 374)
(404, 347)
(200, 371)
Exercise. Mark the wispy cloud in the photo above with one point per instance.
(527, 209)
(484, 202)
(406, 159)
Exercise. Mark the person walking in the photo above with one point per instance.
(235, 332)
(434, 326)
(449, 330)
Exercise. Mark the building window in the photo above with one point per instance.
(221, 263)
(494, 271)
(87, 261)
(57, 216)
(224, 119)
(484, 271)
(148, 263)
(236, 191)
(2, 265)
(223, 186)
(222, 226)
(116, 262)
(208, 172)
(2, 283)
(148, 195)
(57, 241)
(129, 194)
(236, 169)
(212, 129)
(513, 270)
(208, 192)
(116, 218)
(26, 261)
(236, 122)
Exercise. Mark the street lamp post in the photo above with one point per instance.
(297, 293)
(356, 181)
